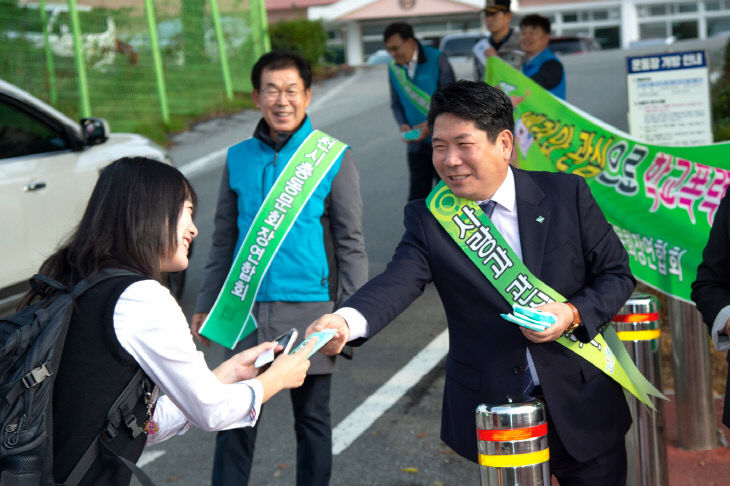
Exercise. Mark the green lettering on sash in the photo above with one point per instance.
(418, 98)
(479, 239)
(230, 319)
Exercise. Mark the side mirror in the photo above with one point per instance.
(95, 130)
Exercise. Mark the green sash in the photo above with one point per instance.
(479, 239)
(231, 320)
(418, 98)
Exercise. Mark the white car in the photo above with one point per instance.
(48, 167)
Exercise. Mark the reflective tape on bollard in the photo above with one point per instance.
(512, 434)
(637, 326)
(641, 317)
(639, 335)
(512, 444)
(515, 460)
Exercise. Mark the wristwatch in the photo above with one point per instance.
(576, 318)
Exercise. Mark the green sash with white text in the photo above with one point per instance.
(418, 98)
(479, 239)
(230, 319)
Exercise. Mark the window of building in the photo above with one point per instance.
(569, 17)
(717, 25)
(685, 30)
(600, 15)
(685, 7)
(655, 10)
(652, 30)
(608, 37)
(373, 30)
(712, 5)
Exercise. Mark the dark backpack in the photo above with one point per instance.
(31, 345)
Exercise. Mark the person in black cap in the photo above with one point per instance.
(503, 41)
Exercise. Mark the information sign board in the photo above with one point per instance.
(669, 98)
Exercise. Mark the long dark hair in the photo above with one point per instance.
(130, 222)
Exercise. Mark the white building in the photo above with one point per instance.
(359, 24)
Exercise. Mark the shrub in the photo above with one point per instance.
(305, 37)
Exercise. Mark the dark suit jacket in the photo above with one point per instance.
(576, 252)
(711, 290)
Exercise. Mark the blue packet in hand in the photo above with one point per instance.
(324, 336)
(414, 134)
(535, 314)
(535, 326)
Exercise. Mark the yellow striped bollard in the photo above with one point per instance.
(513, 444)
(637, 325)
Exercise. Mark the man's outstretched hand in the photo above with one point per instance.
(331, 321)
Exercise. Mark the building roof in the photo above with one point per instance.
(295, 4)
(348, 10)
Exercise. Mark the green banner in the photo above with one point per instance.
(231, 320)
(660, 200)
(419, 98)
(480, 240)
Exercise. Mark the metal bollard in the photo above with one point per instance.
(513, 444)
(637, 325)
(696, 426)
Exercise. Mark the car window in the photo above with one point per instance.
(460, 46)
(21, 134)
(566, 46)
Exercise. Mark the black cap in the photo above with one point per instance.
(497, 6)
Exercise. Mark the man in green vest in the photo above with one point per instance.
(495, 239)
(415, 73)
(289, 217)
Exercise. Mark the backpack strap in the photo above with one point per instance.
(99, 277)
(120, 416)
(39, 277)
(37, 375)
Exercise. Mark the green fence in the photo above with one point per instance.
(137, 65)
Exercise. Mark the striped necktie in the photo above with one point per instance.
(488, 208)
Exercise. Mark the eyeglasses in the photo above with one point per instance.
(272, 94)
(393, 49)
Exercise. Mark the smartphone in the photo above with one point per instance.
(286, 339)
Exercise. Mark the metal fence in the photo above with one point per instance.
(135, 65)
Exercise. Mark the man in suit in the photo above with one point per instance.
(553, 224)
(711, 290)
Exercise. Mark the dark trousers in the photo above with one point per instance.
(422, 172)
(234, 448)
(608, 469)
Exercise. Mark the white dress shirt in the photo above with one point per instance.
(150, 325)
(721, 340)
(411, 66)
(504, 218)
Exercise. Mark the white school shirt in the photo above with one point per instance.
(504, 218)
(150, 326)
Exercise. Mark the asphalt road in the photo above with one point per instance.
(401, 447)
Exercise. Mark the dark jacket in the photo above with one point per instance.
(569, 245)
(711, 290)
